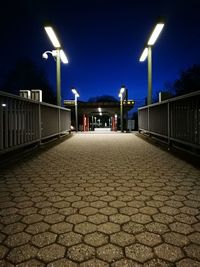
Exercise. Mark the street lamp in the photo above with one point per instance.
(59, 55)
(76, 108)
(122, 90)
(147, 52)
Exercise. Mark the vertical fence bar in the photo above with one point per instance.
(11, 122)
(1, 124)
(6, 124)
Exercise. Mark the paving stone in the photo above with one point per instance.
(10, 218)
(108, 228)
(81, 252)
(195, 237)
(109, 253)
(163, 218)
(119, 218)
(43, 239)
(80, 204)
(48, 211)
(61, 228)
(37, 228)
(31, 263)
(169, 252)
(141, 218)
(61, 204)
(76, 218)
(128, 210)
(69, 239)
(193, 251)
(96, 239)
(3, 251)
(54, 218)
(88, 211)
(67, 211)
(148, 210)
(108, 211)
(98, 204)
(85, 228)
(51, 252)
(62, 263)
(126, 263)
(184, 218)
(13, 228)
(136, 204)
(33, 218)
(17, 239)
(98, 218)
(122, 239)
(176, 239)
(94, 263)
(187, 263)
(181, 228)
(158, 228)
(22, 253)
(133, 228)
(158, 263)
(139, 252)
(149, 239)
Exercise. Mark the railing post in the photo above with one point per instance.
(168, 123)
(148, 118)
(59, 122)
(39, 124)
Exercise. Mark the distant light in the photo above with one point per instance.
(122, 90)
(115, 116)
(120, 95)
(52, 36)
(99, 109)
(75, 92)
(3, 105)
(63, 57)
(157, 30)
(100, 114)
(144, 55)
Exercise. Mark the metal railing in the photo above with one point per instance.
(24, 121)
(176, 119)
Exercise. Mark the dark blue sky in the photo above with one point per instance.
(103, 40)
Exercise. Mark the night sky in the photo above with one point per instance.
(103, 40)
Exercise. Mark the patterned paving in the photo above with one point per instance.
(100, 200)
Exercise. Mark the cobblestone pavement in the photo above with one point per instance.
(100, 200)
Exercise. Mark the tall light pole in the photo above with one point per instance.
(147, 52)
(76, 95)
(122, 90)
(59, 55)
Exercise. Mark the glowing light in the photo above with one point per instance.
(52, 36)
(156, 32)
(75, 92)
(63, 57)
(99, 109)
(144, 55)
(3, 105)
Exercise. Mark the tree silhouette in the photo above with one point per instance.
(26, 76)
(188, 82)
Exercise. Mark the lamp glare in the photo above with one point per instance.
(63, 57)
(52, 36)
(144, 55)
(156, 32)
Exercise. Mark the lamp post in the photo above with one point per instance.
(122, 90)
(76, 95)
(59, 55)
(147, 52)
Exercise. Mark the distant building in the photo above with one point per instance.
(97, 115)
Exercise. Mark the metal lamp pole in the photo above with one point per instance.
(149, 98)
(58, 76)
(122, 90)
(147, 52)
(76, 95)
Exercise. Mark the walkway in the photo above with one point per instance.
(100, 200)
